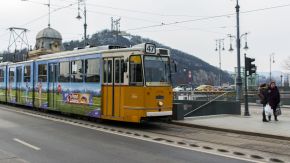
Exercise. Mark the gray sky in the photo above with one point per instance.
(269, 29)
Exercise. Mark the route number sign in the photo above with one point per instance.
(150, 48)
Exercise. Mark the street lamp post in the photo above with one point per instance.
(85, 19)
(272, 59)
(246, 113)
(219, 44)
(281, 76)
(238, 78)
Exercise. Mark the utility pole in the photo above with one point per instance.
(272, 59)
(85, 20)
(17, 39)
(85, 25)
(281, 76)
(238, 79)
(48, 5)
(219, 47)
(246, 113)
(251, 69)
(115, 27)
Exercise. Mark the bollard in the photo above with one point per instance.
(178, 111)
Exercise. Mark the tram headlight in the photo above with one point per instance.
(160, 103)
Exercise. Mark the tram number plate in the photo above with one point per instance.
(150, 48)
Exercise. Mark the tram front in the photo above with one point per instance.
(150, 81)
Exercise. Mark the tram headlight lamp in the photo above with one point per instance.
(160, 103)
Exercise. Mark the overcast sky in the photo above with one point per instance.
(269, 29)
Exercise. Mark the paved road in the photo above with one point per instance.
(43, 141)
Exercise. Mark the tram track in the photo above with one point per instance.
(225, 134)
(180, 136)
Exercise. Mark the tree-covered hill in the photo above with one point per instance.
(202, 72)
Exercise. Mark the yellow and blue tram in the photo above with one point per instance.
(107, 82)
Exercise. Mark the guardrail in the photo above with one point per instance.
(229, 96)
(204, 96)
(201, 106)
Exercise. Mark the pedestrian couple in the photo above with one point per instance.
(269, 95)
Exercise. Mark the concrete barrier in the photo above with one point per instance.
(183, 107)
(178, 111)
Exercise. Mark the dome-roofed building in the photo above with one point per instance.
(48, 41)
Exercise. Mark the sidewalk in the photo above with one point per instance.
(282, 106)
(250, 125)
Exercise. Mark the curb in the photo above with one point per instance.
(232, 131)
(254, 104)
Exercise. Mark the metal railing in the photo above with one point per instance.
(205, 96)
(210, 101)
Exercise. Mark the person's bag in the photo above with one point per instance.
(278, 111)
(268, 110)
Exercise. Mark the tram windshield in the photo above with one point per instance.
(157, 71)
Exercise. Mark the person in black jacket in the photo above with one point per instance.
(264, 98)
(274, 99)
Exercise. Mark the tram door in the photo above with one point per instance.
(52, 85)
(113, 79)
(18, 83)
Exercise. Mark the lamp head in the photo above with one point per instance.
(246, 46)
(231, 48)
(79, 16)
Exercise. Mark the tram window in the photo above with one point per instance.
(136, 73)
(92, 70)
(119, 71)
(63, 72)
(77, 71)
(42, 73)
(105, 71)
(122, 71)
(19, 74)
(1, 75)
(27, 73)
(109, 71)
(11, 75)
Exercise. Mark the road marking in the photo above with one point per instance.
(26, 144)
(134, 137)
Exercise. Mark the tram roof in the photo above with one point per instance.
(19, 63)
(85, 51)
(93, 50)
(4, 63)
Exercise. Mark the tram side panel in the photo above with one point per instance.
(3, 74)
(158, 100)
(40, 87)
(73, 85)
(140, 102)
(20, 84)
(134, 103)
(27, 85)
(11, 84)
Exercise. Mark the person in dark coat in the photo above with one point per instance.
(274, 99)
(264, 98)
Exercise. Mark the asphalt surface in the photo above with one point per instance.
(37, 140)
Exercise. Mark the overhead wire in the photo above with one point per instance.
(206, 18)
(44, 15)
(137, 11)
(144, 12)
(190, 28)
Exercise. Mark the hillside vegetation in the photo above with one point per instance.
(202, 72)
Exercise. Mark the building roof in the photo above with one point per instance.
(48, 33)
